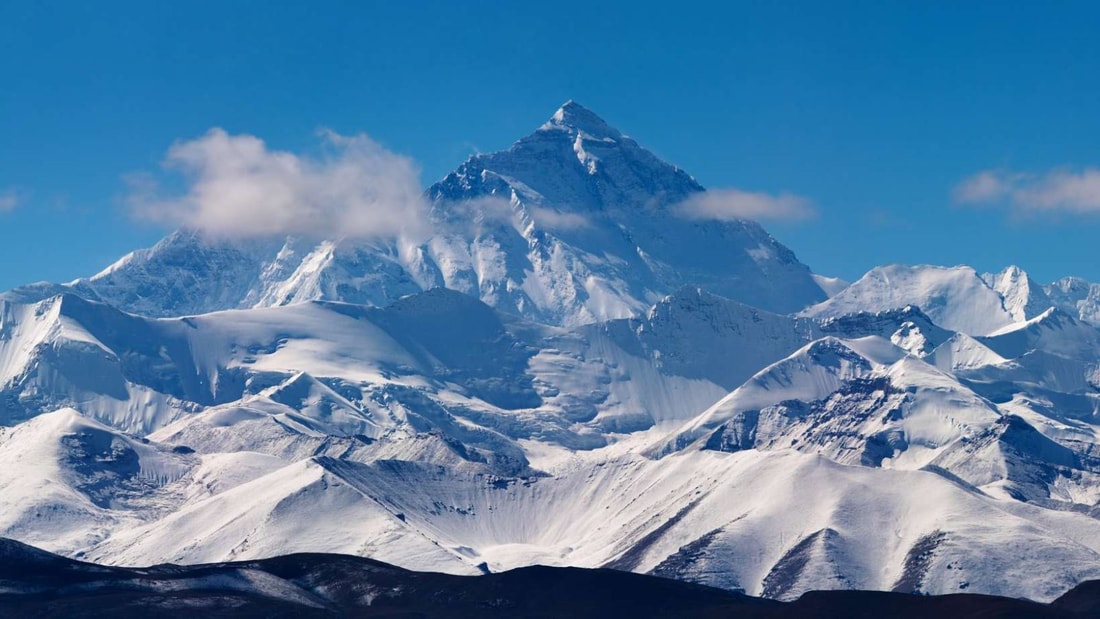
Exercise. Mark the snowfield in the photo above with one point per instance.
(567, 373)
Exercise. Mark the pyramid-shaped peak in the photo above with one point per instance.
(1012, 272)
(573, 116)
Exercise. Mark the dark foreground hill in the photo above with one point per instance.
(34, 583)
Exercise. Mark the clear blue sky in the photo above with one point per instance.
(875, 111)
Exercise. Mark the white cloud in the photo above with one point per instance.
(9, 200)
(236, 186)
(468, 215)
(1054, 191)
(559, 220)
(982, 187)
(731, 204)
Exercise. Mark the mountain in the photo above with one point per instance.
(1024, 299)
(830, 285)
(67, 478)
(960, 299)
(955, 298)
(346, 370)
(566, 372)
(317, 585)
(389, 433)
(596, 195)
(575, 223)
(1076, 297)
(866, 402)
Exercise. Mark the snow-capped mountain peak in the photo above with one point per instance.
(956, 298)
(574, 118)
(575, 161)
(1024, 299)
(1077, 296)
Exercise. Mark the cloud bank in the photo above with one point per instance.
(1064, 190)
(466, 216)
(559, 221)
(234, 185)
(732, 204)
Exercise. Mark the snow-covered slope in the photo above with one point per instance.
(959, 299)
(771, 523)
(456, 436)
(866, 402)
(1024, 299)
(606, 203)
(1077, 297)
(325, 370)
(67, 480)
(830, 285)
(326, 586)
(398, 443)
(955, 298)
(710, 517)
(696, 334)
(1052, 331)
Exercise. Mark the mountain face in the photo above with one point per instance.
(960, 299)
(956, 298)
(573, 224)
(1076, 297)
(595, 196)
(759, 451)
(1023, 297)
(565, 373)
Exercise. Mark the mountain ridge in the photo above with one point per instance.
(317, 585)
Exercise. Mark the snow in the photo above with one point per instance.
(1023, 298)
(703, 439)
(565, 373)
(759, 505)
(830, 285)
(66, 479)
(1052, 331)
(1076, 297)
(955, 298)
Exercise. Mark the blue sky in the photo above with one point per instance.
(875, 112)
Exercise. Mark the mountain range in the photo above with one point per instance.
(569, 370)
(39, 584)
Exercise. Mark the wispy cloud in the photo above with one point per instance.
(467, 216)
(731, 204)
(234, 185)
(1062, 190)
(9, 200)
(557, 221)
(885, 219)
